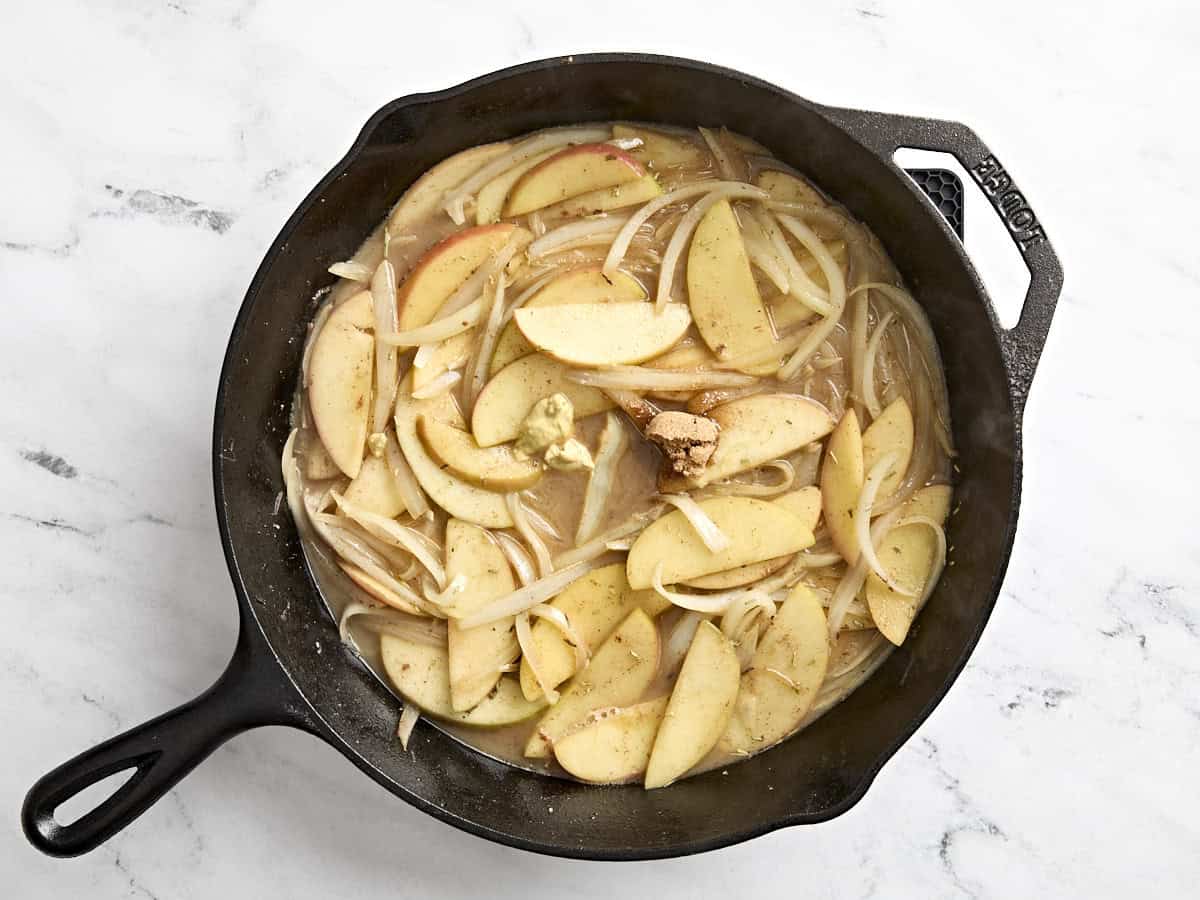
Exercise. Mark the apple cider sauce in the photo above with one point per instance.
(620, 451)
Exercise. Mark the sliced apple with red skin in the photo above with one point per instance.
(784, 676)
(722, 293)
(612, 746)
(476, 655)
(631, 193)
(587, 284)
(892, 432)
(379, 591)
(661, 151)
(492, 468)
(569, 173)
(603, 334)
(755, 430)
(340, 373)
(457, 497)
(508, 397)
(699, 709)
(444, 268)
(428, 192)
(489, 202)
(619, 673)
(841, 483)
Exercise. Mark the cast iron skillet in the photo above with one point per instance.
(277, 676)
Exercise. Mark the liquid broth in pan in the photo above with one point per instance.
(621, 451)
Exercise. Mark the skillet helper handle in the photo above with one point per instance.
(251, 692)
(1022, 344)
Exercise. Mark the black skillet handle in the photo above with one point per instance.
(252, 691)
(1022, 344)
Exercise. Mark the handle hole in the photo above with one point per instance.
(987, 242)
(91, 797)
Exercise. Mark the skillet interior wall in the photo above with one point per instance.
(813, 774)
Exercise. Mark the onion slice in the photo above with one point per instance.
(529, 595)
(351, 271)
(559, 620)
(939, 559)
(687, 225)
(455, 200)
(421, 547)
(640, 378)
(529, 652)
(869, 395)
(485, 343)
(613, 442)
(408, 721)
(852, 581)
(862, 518)
(438, 329)
(601, 226)
(676, 646)
(837, 296)
(406, 481)
(620, 245)
(713, 537)
(521, 522)
(383, 302)
(599, 544)
(438, 386)
(517, 556)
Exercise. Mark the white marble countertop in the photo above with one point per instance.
(152, 150)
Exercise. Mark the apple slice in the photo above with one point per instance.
(318, 464)
(804, 503)
(736, 577)
(604, 334)
(841, 483)
(784, 676)
(618, 675)
(593, 202)
(569, 173)
(455, 496)
(892, 432)
(594, 605)
(660, 151)
(506, 400)
(380, 592)
(756, 529)
(476, 654)
(788, 188)
(444, 268)
(721, 291)
(746, 144)
(427, 193)
(493, 468)
(489, 202)
(421, 674)
(908, 554)
(612, 745)
(451, 353)
(587, 284)
(374, 488)
(340, 372)
(932, 502)
(701, 703)
(755, 430)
